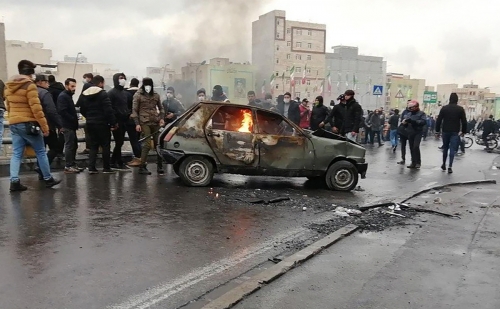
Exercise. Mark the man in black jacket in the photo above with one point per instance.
(173, 107)
(393, 129)
(488, 127)
(346, 116)
(55, 89)
(119, 102)
(69, 120)
(87, 82)
(288, 108)
(53, 119)
(414, 122)
(95, 106)
(452, 122)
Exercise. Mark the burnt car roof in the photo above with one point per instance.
(234, 104)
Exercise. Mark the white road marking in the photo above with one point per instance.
(163, 291)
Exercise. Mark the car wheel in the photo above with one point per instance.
(196, 171)
(342, 176)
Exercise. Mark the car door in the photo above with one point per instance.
(281, 145)
(230, 133)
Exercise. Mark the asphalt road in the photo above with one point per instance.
(130, 241)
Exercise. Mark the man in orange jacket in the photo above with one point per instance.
(27, 124)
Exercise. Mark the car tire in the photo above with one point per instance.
(342, 176)
(196, 171)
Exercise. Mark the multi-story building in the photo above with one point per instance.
(236, 79)
(19, 50)
(350, 70)
(477, 102)
(288, 55)
(3, 54)
(161, 76)
(401, 88)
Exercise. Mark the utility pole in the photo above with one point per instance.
(76, 61)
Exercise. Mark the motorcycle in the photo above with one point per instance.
(492, 140)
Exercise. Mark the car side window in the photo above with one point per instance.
(273, 124)
(235, 119)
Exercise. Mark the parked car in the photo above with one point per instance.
(218, 137)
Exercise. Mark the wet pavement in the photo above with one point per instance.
(129, 241)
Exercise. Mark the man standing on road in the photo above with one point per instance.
(67, 111)
(27, 124)
(87, 83)
(289, 109)
(95, 106)
(414, 122)
(119, 102)
(403, 134)
(173, 107)
(393, 129)
(346, 116)
(319, 113)
(453, 120)
(53, 119)
(2, 113)
(375, 120)
(148, 115)
(130, 126)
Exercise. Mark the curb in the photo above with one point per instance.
(235, 295)
(453, 184)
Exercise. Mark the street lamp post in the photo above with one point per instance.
(76, 60)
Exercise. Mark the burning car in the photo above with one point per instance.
(218, 137)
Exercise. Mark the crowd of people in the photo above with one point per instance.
(42, 113)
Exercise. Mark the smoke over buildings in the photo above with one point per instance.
(205, 29)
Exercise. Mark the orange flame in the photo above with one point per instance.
(246, 122)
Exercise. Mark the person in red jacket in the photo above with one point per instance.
(305, 114)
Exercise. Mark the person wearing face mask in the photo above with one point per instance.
(414, 121)
(100, 117)
(218, 94)
(148, 115)
(87, 78)
(319, 113)
(289, 109)
(346, 116)
(69, 117)
(130, 125)
(27, 124)
(202, 96)
(119, 102)
(173, 107)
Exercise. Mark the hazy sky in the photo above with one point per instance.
(443, 41)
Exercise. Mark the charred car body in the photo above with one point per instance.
(218, 137)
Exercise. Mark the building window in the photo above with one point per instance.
(298, 69)
(309, 82)
(277, 86)
(308, 57)
(308, 94)
(288, 81)
(277, 60)
(277, 35)
(298, 57)
(277, 73)
(308, 70)
(298, 32)
(287, 68)
(277, 22)
(309, 45)
(288, 43)
(297, 94)
(288, 56)
(309, 32)
(288, 30)
(277, 47)
(298, 44)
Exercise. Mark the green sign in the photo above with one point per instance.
(430, 97)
